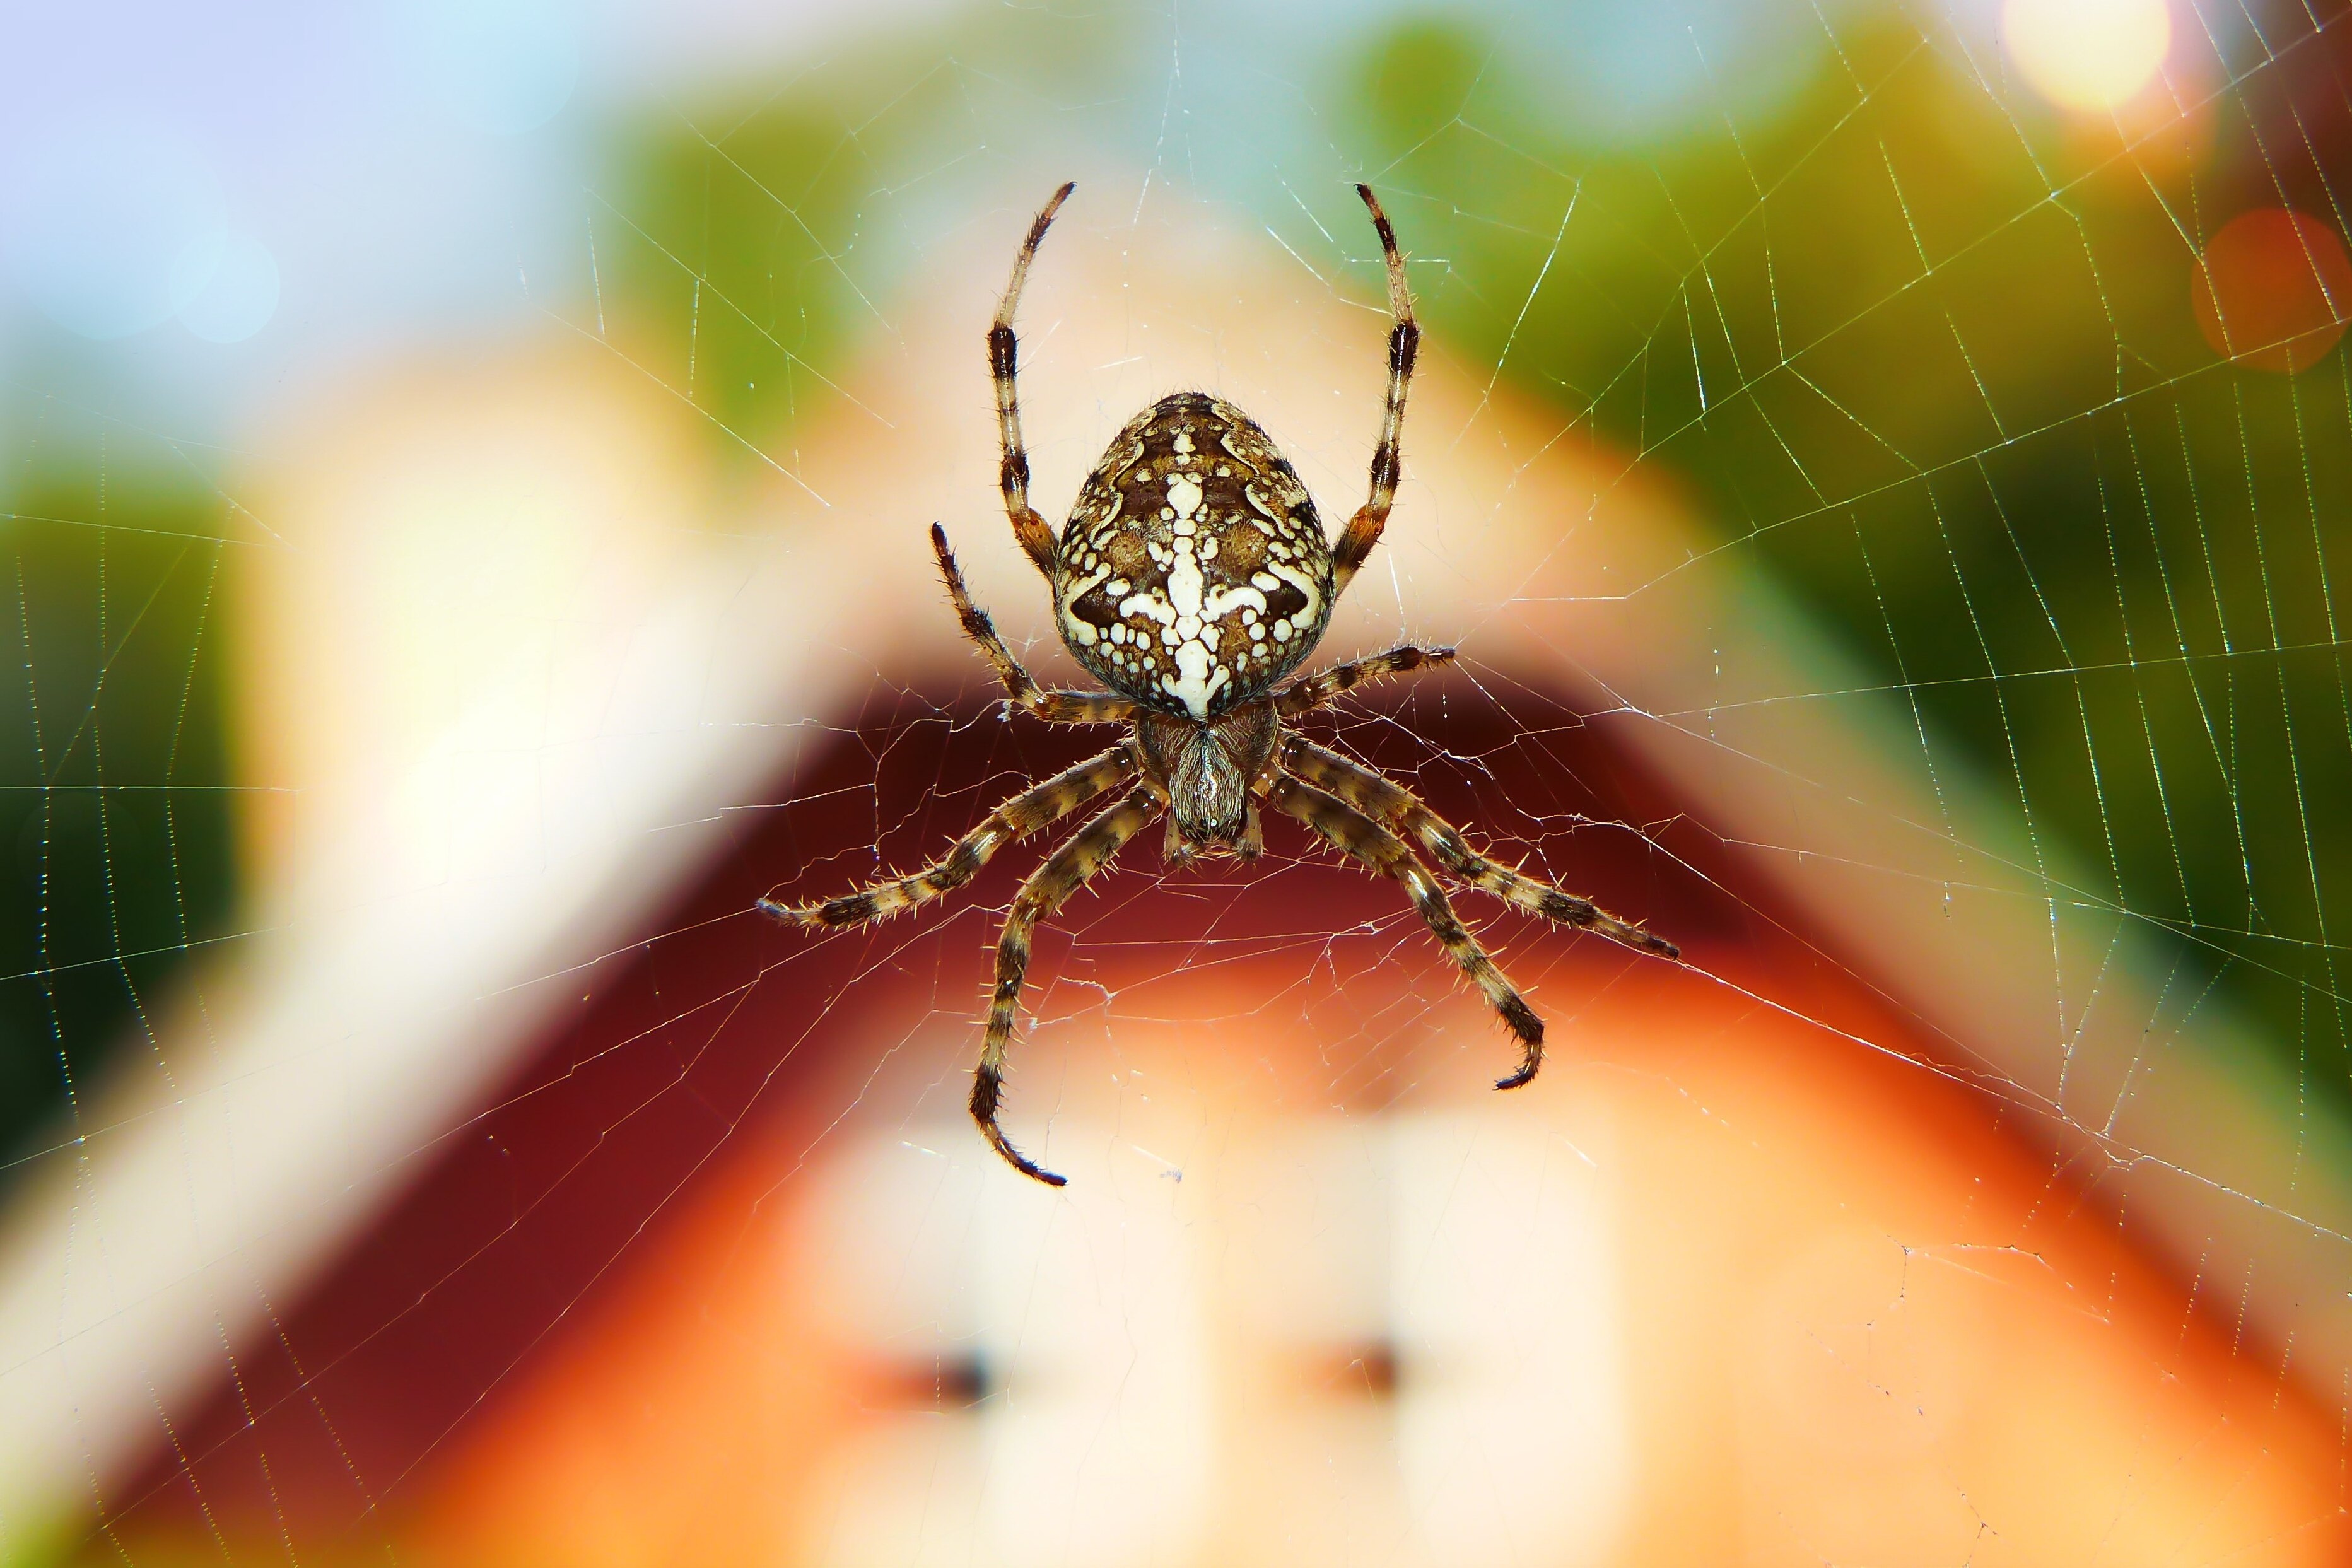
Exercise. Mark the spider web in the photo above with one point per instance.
(1866, 569)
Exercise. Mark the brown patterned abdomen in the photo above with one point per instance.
(1194, 572)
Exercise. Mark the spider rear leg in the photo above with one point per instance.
(1352, 832)
(1035, 534)
(1321, 691)
(1024, 813)
(1053, 707)
(1085, 852)
(1364, 529)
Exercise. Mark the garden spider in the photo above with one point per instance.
(1194, 574)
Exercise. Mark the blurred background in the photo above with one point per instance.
(465, 471)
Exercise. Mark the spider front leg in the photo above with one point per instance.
(1017, 818)
(1390, 803)
(1364, 529)
(1352, 832)
(1086, 852)
(1322, 691)
(1037, 536)
(1053, 707)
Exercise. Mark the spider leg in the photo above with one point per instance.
(1364, 529)
(1346, 830)
(1082, 854)
(1390, 803)
(1322, 691)
(1017, 818)
(1037, 536)
(1053, 707)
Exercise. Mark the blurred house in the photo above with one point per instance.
(1882, 471)
(544, 1205)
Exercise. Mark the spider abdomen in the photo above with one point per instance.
(1194, 572)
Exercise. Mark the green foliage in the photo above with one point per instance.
(742, 247)
(734, 260)
(1935, 366)
(115, 814)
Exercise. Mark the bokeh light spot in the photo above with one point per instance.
(503, 65)
(2272, 289)
(237, 293)
(113, 221)
(2087, 55)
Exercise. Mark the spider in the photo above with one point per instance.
(1192, 577)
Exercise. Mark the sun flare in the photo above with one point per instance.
(2087, 55)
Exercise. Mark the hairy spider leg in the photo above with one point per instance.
(1037, 536)
(1039, 806)
(1082, 854)
(1322, 691)
(1053, 707)
(1364, 529)
(1390, 804)
(1350, 831)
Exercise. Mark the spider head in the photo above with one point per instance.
(1207, 769)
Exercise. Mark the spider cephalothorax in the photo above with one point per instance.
(1192, 577)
